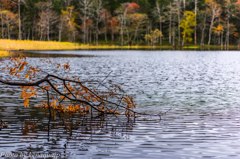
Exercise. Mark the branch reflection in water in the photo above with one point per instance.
(62, 135)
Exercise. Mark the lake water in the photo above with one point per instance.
(199, 91)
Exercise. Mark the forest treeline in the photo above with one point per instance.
(122, 22)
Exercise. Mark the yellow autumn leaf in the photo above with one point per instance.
(26, 102)
(87, 108)
(62, 97)
(66, 66)
(22, 66)
(54, 103)
(12, 71)
(27, 76)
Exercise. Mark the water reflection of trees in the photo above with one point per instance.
(76, 125)
(75, 132)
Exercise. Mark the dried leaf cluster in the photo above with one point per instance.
(65, 95)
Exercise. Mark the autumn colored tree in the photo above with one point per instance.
(47, 18)
(196, 15)
(179, 10)
(86, 13)
(19, 20)
(67, 24)
(105, 17)
(172, 16)
(7, 16)
(214, 9)
(219, 30)
(113, 24)
(8, 4)
(8, 19)
(154, 37)
(159, 10)
(136, 21)
(123, 12)
(98, 7)
(187, 25)
(230, 8)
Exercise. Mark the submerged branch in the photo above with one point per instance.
(69, 95)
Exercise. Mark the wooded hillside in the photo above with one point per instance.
(122, 22)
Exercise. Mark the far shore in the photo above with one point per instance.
(7, 46)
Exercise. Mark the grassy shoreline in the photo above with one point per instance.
(54, 45)
(6, 46)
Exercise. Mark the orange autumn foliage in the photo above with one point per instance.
(65, 95)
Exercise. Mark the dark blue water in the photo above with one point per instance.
(199, 90)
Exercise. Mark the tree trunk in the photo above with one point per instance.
(128, 35)
(48, 28)
(112, 36)
(106, 28)
(8, 30)
(19, 21)
(84, 30)
(136, 32)
(174, 36)
(97, 31)
(210, 29)
(41, 34)
(60, 30)
(33, 27)
(29, 34)
(105, 34)
(84, 22)
(221, 41)
(2, 31)
(203, 30)
(228, 32)
(170, 25)
(179, 21)
(160, 19)
(184, 4)
(89, 36)
(195, 29)
(121, 30)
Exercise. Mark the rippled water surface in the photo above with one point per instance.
(199, 91)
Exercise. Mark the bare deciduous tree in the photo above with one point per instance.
(214, 10)
(87, 12)
(47, 18)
